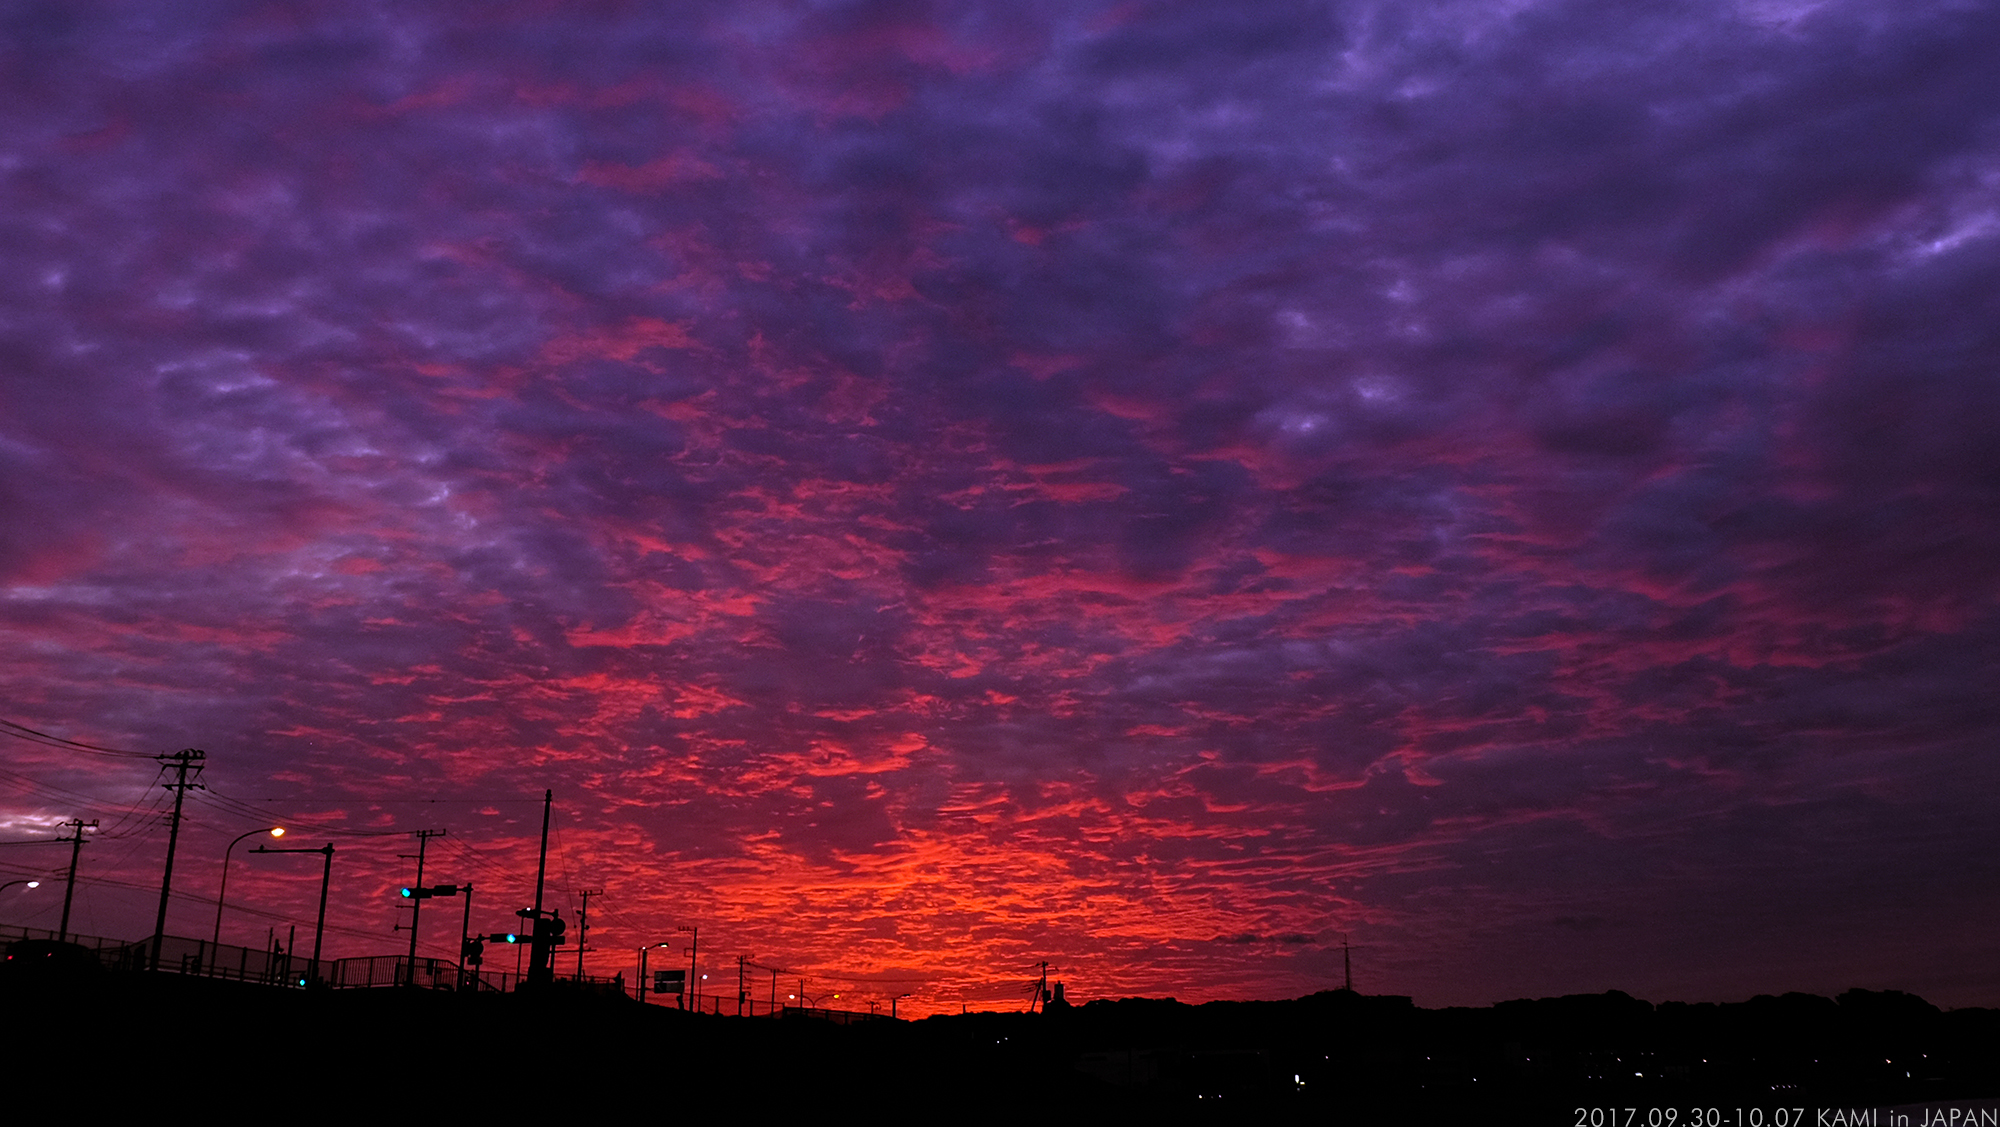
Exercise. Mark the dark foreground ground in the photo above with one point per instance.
(114, 1047)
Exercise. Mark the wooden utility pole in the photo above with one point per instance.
(541, 961)
(185, 760)
(465, 936)
(583, 926)
(693, 953)
(77, 825)
(417, 902)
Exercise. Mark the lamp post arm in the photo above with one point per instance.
(222, 893)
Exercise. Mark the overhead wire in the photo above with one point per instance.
(32, 735)
(139, 841)
(49, 790)
(479, 860)
(10, 867)
(180, 896)
(136, 818)
(239, 807)
(123, 815)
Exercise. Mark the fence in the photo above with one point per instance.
(275, 967)
(425, 973)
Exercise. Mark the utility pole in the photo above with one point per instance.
(69, 890)
(694, 948)
(183, 761)
(1347, 964)
(1041, 987)
(739, 986)
(541, 969)
(464, 933)
(583, 927)
(319, 928)
(417, 903)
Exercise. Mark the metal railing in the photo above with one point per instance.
(425, 973)
(277, 967)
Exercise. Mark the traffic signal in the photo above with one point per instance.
(421, 893)
(549, 928)
(473, 950)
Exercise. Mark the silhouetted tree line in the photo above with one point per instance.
(1330, 1057)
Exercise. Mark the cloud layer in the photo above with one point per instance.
(933, 487)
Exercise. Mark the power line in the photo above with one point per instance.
(181, 897)
(240, 808)
(53, 793)
(480, 860)
(31, 735)
(135, 819)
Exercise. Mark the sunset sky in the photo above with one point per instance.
(934, 487)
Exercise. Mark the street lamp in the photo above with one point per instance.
(23, 880)
(642, 965)
(809, 1001)
(215, 941)
(326, 878)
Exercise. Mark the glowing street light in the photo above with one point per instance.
(642, 965)
(215, 941)
(23, 880)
